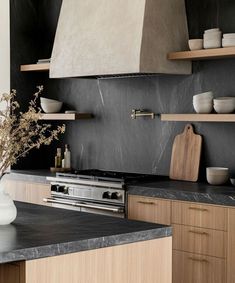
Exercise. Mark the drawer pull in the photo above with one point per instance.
(146, 202)
(198, 259)
(198, 209)
(198, 232)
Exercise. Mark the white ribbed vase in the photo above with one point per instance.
(8, 211)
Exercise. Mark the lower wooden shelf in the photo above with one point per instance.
(198, 117)
(64, 116)
(35, 67)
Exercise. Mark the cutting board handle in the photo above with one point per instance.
(188, 128)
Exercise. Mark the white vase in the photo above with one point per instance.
(8, 211)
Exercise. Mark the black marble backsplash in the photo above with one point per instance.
(111, 140)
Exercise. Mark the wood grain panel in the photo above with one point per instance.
(200, 215)
(12, 273)
(149, 209)
(148, 262)
(199, 240)
(231, 247)
(191, 268)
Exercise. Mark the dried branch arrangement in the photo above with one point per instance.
(21, 132)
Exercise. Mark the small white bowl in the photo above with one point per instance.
(208, 94)
(213, 36)
(212, 30)
(217, 175)
(47, 100)
(52, 107)
(212, 43)
(203, 108)
(229, 35)
(195, 44)
(228, 42)
(224, 108)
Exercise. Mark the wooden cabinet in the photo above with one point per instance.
(203, 237)
(27, 192)
(193, 268)
(199, 215)
(12, 273)
(149, 209)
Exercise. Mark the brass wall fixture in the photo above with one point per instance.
(137, 113)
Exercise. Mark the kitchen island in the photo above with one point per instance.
(52, 245)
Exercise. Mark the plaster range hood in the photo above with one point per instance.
(119, 37)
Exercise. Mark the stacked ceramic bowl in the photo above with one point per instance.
(217, 175)
(212, 38)
(50, 105)
(203, 102)
(228, 40)
(224, 105)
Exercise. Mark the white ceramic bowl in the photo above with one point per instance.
(217, 175)
(212, 43)
(47, 100)
(228, 42)
(195, 44)
(225, 99)
(213, 36)
(212, 30)
(229, 35)
(224, 108)
(52, 107)
(203, 108)
(203, 95)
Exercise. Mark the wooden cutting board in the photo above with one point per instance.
(186, 155)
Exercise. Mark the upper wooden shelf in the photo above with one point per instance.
(204, 54)
(35, 67)
(64, 116)
(198, 117)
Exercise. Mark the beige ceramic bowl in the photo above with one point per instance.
(195, 44)
(217, 175)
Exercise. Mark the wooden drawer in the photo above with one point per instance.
(191, 268)
(200, 215)
(149, 209)
(199, 240)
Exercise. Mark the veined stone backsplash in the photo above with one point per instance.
(112, 140)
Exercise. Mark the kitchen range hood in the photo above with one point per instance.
(119, 37)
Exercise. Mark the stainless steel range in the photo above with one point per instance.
(95, 191)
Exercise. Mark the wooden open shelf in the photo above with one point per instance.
(198, 117)
(64, 116)
(204, 54)
(35, 67)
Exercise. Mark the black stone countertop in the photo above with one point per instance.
(41, 231)
(37, 176)
(185, 191)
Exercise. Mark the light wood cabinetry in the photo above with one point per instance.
(199, 215)
(191, 268)
(149, 209)
(199, 240)
(27, 191)
(203, 238)
(146, 261)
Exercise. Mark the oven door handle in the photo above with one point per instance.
(83, 205)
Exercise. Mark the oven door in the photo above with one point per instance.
(90, 207)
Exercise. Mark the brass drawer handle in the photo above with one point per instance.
(198, 209)
(199, 233)
(146, 202)
(198, 259)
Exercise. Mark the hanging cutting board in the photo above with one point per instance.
(186, 155)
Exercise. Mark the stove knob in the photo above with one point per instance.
(107, 195)
(54, 188)
(115, 195)
(61, 189)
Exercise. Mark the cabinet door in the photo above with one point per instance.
(12, 273)
(28, 192)
(191, 268)
(149, 209)
(231, 246)
(200, 215)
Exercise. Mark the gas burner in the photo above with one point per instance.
(95, 174)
